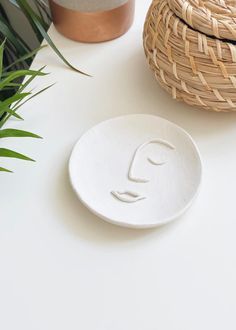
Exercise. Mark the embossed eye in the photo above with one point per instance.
(154, 162)
(131, 175)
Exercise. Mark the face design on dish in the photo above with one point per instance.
(128, 196)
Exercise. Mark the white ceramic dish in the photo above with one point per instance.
(136, 171)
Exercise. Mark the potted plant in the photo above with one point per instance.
(15, 75)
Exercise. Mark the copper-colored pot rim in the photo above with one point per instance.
(93, 26)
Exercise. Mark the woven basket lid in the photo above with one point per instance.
(213, 17)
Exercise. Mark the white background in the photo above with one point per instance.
(61, 267)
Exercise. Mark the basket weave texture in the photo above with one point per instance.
(190, 46)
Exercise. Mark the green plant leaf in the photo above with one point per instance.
(39, 10)
(10, 132)
(16, 107)
(13, 154)
(14, 38)
(45, 9)
(56, 50)
(1, 57)
(5, 105)
(39, 27)
(28, 81)
(2, 169)
(8, 23)
(31, 15)
(12, 99)
(12, 75)
(13, 85)
(10, 112)
(25, 57)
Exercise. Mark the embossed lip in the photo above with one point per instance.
(127, 196)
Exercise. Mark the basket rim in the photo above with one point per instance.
(216, 18)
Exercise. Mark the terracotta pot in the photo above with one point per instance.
(92, 20)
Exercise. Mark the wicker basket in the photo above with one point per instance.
(190, 46)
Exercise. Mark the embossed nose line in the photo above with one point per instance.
(130, 196)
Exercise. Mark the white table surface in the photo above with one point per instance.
(62, 268)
